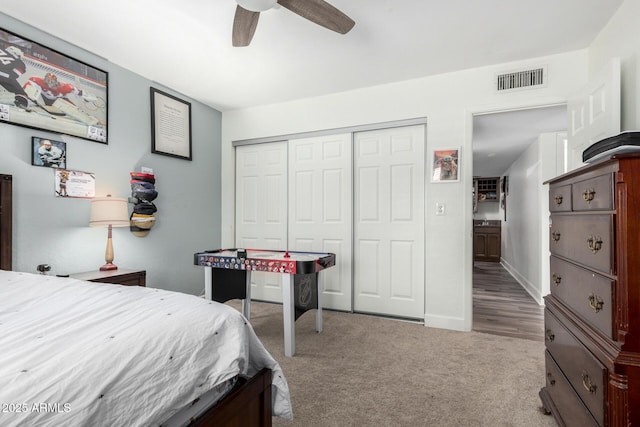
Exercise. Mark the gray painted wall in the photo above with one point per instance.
(53, 230)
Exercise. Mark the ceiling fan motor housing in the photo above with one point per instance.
(257, 5)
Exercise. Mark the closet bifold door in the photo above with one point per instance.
(261, 208)
(296, 195)
(6, 215)
(320, 209)
(357, 194)
(389, 191)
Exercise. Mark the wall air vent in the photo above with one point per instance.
(533, 78)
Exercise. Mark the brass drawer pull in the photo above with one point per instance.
(555, 236)
(551, 380)
(594, 243)
(549, 334)
(595, 302)
(586, 382)
(588, 195)
(558, 199)
(556, 279)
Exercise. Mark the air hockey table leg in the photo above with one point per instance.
(208, 283)
(319, 310)
(288, 313)
(246, 303)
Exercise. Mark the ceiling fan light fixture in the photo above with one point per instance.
(319, 12)
(256, 5)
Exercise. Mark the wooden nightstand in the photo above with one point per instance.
(119, 277)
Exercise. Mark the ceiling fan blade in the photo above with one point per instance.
(244, 26)
(320, 12)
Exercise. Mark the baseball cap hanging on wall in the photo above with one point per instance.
(143, 193)
(141, 224)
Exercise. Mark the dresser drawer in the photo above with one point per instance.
(586, 293)
(584, 372)
(571, 409)
(560, 198)
(593, 194)
(586, 239)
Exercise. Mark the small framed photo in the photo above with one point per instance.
(445, 165)
(48, 153)
(170, 125)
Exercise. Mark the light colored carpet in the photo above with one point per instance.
(371, 371)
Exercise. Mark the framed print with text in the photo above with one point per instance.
(48, 90)
(445, 165)
(170, 125)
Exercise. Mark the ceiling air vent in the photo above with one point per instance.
(535, 77)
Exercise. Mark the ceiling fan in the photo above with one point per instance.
(317, 11)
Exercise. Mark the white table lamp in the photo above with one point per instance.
(109, 212)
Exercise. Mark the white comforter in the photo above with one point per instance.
(79, 353)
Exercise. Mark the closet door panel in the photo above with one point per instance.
(261, 208)
(320, 209)
(389, 221)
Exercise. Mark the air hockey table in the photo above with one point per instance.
(227, 275)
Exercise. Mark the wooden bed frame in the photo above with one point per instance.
(248, 404)
(6, 222)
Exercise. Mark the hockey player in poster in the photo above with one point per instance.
(55, 97)
(51, 89)
(11, 68)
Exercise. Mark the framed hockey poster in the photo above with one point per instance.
(44, 89)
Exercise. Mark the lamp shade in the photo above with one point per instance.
(109, 211)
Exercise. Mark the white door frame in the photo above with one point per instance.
(468, 204)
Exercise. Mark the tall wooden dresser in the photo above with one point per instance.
(592, 315)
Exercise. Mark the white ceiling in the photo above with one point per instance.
(186, 45)
(500, 138)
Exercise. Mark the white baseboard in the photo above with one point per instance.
(446, 322)
(528, 286)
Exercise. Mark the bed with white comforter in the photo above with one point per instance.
(83, 353)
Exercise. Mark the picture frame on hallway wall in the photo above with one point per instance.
(47, 90)
(170, 125)
(504, 188)
(445, 165)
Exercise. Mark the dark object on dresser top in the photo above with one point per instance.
(626, 142)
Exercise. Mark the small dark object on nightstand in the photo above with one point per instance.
(43, 268)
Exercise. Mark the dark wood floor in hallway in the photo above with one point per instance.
(502, 307)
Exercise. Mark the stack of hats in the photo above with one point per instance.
(143, 192)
